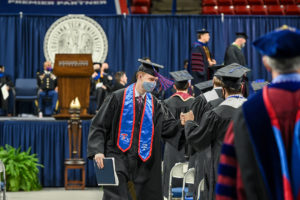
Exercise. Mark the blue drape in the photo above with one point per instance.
(165, 39)
(49, 140)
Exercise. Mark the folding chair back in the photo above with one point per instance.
(2, 183)
(177, 171)
(189, 178)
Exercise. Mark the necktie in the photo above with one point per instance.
(140, 102)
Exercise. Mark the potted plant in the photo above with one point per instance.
(21, 169)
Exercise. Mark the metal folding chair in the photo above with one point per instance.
(2, 183)
(189, 178)
(177, 171)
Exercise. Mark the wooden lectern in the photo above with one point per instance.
(73, 72)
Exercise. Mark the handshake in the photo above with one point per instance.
(186, 116)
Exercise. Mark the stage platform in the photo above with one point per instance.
(48, 138)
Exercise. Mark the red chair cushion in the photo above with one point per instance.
(242, 10)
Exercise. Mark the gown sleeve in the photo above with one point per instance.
(101, 125)
(199, 136)
(172, 130)
(197, 108)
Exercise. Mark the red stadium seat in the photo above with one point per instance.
(209, 2)
(141, 3)
(227, 10)
(272, 2)
(297, 2)
(224, 2)
(139, 10)
(240, 2)
(287, 2)
(292, 9)
(242, 10)
(276, 10)
(259, 10)
(210, 10)
(256, 2)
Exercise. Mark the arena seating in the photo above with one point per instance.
(251, 7)
(140, 6)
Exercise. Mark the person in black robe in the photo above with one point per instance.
(213, 125)
(179, 102)
(6, 82)
(109, 138)
(209, 99)
(234, 52)
(201, 58)
(120, 81)
(101, 83)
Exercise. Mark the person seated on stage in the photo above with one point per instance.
(47, 83)
(120, 81)
(101, 82)
(5, 84)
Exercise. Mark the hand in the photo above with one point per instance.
(104, 87)
(7, 87)
(212, 62)
(110, 77)
(94, 74)
(182, 118)
(56, 89)
(99, 160)
(187, 116)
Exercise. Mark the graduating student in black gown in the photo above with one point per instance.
(136, 146)
(209, 99)
(179, 102)
(213, 125)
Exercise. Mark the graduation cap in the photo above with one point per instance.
(258, 85)
(241, 35)
(202, 31)
(153, 69)
(205, 85)
(181, 76)
(231, 75)
(149, 67)
(281, 43)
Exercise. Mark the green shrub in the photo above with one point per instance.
(21, 169)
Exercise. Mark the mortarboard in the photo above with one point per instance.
(231, 75)
(258, 85)
(241, 35)
(205, 85)
(149, 67)
(281, 43)
(153, 69)
(181, 76)
(202, 31)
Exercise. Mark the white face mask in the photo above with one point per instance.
(149, 86)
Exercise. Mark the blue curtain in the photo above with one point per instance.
(166, 39)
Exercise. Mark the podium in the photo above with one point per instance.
(73, 73)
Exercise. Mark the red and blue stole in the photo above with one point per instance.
(281, 177)
(128, 120)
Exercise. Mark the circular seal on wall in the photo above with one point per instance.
(76, 34)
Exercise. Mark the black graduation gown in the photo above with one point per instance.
(117, 86)
(234, 54)
(4, 102)
(103, 138)
(176, 105)
(202, 104)
(210, 133)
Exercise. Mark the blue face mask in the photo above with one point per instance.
(149, 86)
(49, 69)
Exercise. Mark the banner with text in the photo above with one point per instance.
(61, 6)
